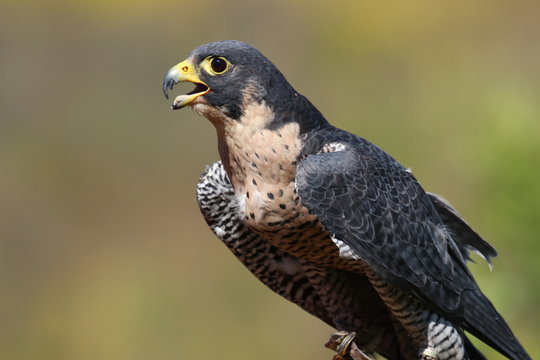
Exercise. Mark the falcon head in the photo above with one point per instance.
(232, 78)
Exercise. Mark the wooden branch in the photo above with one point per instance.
(343, 343)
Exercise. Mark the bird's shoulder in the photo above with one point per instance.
(339, 151)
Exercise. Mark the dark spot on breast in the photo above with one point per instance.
(253, 165)
(282, 206)
(265, 159)
(280, 167)
(286, 147)
(273, 150)
(270, 195)
(254, 182)
(247, 194)
(294, 163)
(280, 193)
(257, 155)
(252, 215)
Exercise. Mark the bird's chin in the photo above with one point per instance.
(216, 115)
(202, 107)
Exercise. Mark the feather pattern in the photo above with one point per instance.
(394, 227)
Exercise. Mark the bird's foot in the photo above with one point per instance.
(342, 342)
(428, 354)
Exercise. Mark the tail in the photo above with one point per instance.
(479, 316)
(483, 321)
(472, 352)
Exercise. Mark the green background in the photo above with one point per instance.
(103, 252)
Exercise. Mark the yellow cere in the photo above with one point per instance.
(185, 71)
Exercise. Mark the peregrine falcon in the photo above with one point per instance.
(330, 221)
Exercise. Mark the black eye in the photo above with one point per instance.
(219, 65)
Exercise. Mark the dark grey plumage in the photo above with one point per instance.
(396, 220)
(355, 309)
(330, 221)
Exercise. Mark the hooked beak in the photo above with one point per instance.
(184, 72)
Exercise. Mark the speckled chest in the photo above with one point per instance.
(261, 164)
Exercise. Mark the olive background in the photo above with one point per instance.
(103, 252)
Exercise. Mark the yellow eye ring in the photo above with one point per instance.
(216, 65)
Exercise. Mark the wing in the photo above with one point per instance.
(369, 202)
(376, 208)
(465, 237)
(358, 309)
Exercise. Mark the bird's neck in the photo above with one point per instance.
(265, 142)
(297, 108)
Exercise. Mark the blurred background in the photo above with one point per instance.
(103, 252)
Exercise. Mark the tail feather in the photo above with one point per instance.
(472, 352)
(479, 317)
(484, 322)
